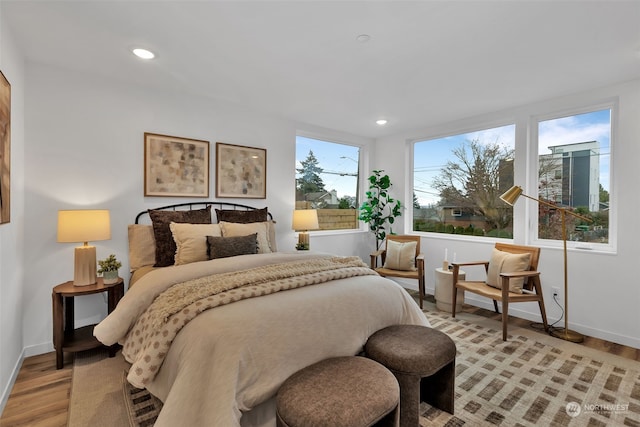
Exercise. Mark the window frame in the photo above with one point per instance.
(450, 131)
(531, 188)
(363, 164)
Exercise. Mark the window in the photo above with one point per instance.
(327, 180)
(573, 172)
(458, 180)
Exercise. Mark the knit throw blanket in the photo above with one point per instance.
(149, 340)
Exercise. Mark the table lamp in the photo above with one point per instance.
(84, 226)
(510, 197)
(303, 221)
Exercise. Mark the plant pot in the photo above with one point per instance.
(110, 277)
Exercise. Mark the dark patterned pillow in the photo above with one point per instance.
(223, 247)
(243, 217)
(165, 245)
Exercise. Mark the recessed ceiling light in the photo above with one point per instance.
(381, 122)
(363, 38)
(143, 53)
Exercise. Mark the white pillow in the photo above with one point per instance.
(191, 241)
(231, 229)
(142, 246)
(506, 262)
(401, 255)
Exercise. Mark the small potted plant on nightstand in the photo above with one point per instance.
(109, 269)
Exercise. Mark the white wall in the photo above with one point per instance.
(85, 149)
(11, 234)
(604, 295)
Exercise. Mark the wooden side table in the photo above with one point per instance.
(66, 338)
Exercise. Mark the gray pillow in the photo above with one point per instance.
(165, 245)
(223, 247)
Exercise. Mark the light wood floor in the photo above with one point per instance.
(40, 396)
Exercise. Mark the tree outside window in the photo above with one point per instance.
(458, 180)
(327, 180)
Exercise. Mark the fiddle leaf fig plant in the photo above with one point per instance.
(379, 210)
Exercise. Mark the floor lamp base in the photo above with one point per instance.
(567, 335)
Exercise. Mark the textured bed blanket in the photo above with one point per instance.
(155, 330)
(225, 366)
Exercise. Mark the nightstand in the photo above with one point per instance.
(66, 338)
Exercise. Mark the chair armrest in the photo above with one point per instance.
(520, 274)
(468, 263)
(374, 257)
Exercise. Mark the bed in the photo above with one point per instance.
(215, 338)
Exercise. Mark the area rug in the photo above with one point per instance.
(96, 390)
(532, 379)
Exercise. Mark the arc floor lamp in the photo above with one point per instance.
(510, 197)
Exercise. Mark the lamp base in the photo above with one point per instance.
(567, 335)
(303, 241)
(84, 266)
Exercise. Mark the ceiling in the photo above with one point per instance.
(426, 62)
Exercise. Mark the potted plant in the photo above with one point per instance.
(109, 269)
(380, 209)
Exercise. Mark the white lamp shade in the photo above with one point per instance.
(83, 225)
(305, 219)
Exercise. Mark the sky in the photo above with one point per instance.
(335, 159)
(431, 155)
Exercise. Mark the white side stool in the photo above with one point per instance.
(444, 291)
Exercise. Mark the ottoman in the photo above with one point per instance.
(423, 361)
(342, 391)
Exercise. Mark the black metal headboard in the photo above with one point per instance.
(200, 205)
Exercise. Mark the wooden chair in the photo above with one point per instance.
(532, 289)
(417, 274)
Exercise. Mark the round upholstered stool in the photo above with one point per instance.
(423, 361)
(342, 391)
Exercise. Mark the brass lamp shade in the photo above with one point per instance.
(511, 195)
(84, 226)
(303, 221)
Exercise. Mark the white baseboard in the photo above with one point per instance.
(534, 317)
(12, 380)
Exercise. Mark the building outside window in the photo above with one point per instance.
(327, 176)
(574, 173)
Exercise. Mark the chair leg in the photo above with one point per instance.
(421, 289)
(543, 312)
(454, 298)
(495, 306)
(505, 318)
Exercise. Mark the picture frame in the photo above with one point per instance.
(175, 166)
(241, 172)
(5, 149)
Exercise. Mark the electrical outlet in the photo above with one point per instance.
(556, 292)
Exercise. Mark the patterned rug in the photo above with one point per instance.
(530, 380)
(533, 379)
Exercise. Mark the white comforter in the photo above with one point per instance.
(226, 365)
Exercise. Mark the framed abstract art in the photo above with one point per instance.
(241, 172)
(175, 167)
(5, 150)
